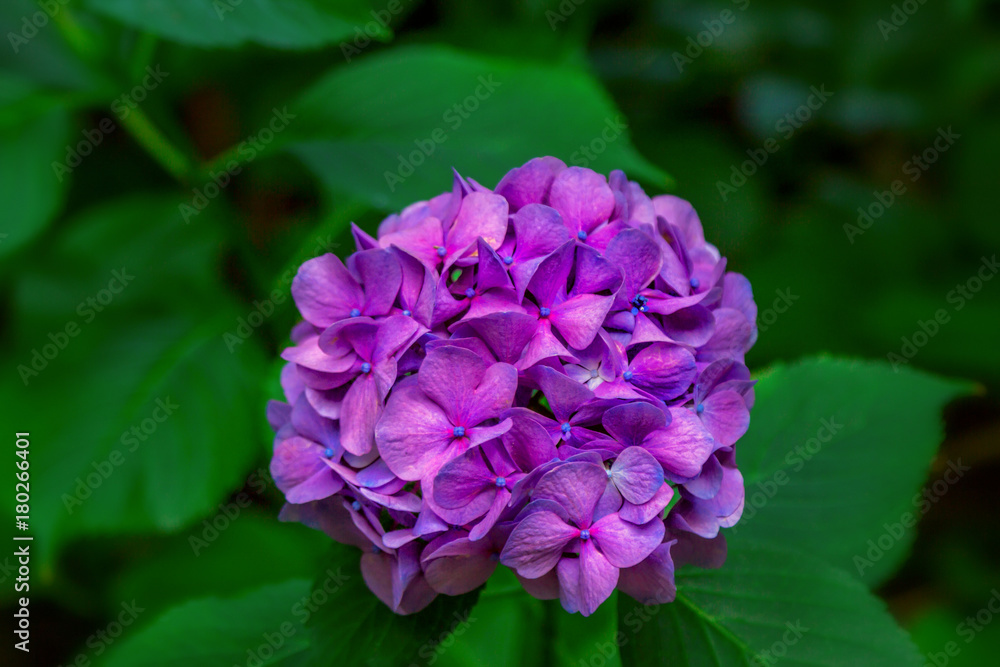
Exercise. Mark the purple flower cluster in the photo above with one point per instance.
(548, 375)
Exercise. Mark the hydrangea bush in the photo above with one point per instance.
(547, 376)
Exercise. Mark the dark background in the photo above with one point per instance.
(894, 89)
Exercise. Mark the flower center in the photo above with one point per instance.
(355, 312)
(627, 375)
(565, 427)
(639, 304)
(458, 431)
(328, 453)
(584, 534)
(356, 506)
(469, 293)
(544, 312)
(699, 408)
(593, 373)
(694, 283)
(582, 235)
(407, 313)
(366, 367)
(501, 482)
(441, 252)
(508, 260)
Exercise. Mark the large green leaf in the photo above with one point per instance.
(265, 627)
(765, 606)
(835, 454)
(389, 128)
(356, 623)
(287, 24)
(30, 191)
(143, 418)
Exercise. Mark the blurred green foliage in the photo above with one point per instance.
(196, 193)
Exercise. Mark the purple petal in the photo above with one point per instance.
(482, 215)
(725, 416)
(459, 566)
(462, 479)
(653, 509)
(381, 276)
(529, 183)
(587, 581)
(582, 197)
(652, 580)
(565, 395)
(579, 318)
(506, 334)
(665, 371)
(551, 275)
(637, 475)
(630, 424)
(325, 291)
(361, 410)
(625, 544)
(576, 486)
(683, 446)
(536, 544)
(639, 258)
(414, 436)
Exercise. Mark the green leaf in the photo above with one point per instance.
(356, 623)
(835, 454)
(30, 191)
(265, 625)
(155, 416)
(285, 24)
(390, 127)
(765, 606)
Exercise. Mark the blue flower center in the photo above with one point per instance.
(699, 408)
(366, 367)
(544, 312)
(355, 312)
(627, 375)
(407, 313)
(356, 506)
(584, 534)
(694, 283)
(593, 373)
(458, 431)
(441, 251)
(639, 304)
(635, 311)
(508, 260)
(582, 235)
(565, 427)
(328, 453)
(469, 293)
(501, 482)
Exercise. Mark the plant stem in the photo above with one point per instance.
(138, 124)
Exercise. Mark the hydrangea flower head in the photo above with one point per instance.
(547, 376)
